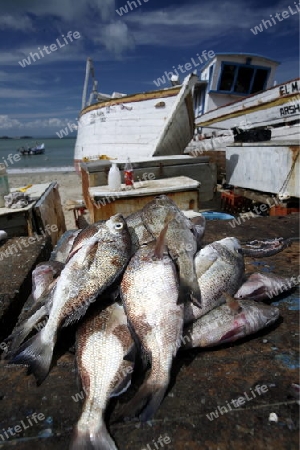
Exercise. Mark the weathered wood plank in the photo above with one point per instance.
(49, 213)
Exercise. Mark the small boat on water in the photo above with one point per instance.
(36, 150)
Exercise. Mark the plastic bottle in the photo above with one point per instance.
(128, 174)
(114, 178)
(4, 187)
(3, 235)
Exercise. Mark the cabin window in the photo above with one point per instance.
(210, 78)
(198, 101)
(242, 79)
(227, 77)
(260, 80)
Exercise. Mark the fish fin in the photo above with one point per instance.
(259, 293)
(76, 315)
(188, 283)
(37, 355)
(124, 384)
(130, 356)
(20, 334)
(232, 303)
(98, 439)
(233, 335)
(78, 243)
(150, 395)
(144, 356)
(154, 403)
(160, 243)
(189, 293)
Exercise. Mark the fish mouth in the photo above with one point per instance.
(272, 316)
(43, 270)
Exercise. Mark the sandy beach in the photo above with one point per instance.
(69, 187)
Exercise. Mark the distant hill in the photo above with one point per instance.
(21, 137)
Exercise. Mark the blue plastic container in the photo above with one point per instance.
(212, 215)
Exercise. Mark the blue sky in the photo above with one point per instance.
(129, 51)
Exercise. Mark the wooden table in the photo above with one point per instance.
(43, 211)
(102, 203)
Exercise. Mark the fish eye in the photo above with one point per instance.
(118, 226)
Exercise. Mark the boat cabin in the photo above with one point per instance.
(232, 76)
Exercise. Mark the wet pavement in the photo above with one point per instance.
(201, 410)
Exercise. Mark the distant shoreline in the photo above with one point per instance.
(34, 138)
(40, 170)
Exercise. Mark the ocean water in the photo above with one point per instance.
(58, 156)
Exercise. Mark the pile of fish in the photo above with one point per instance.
(139, 288)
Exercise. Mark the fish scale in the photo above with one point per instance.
(219, 268)
(93, 267)
(180, 240)
(157, 321)
(222, 324)
(103, 340)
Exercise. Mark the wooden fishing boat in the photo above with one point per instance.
(240, 103)
(141, 125)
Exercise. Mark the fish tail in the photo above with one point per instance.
(37, 354)
(154, 403)
(20, 334)
(188, 286)
(99, 439)
(150, 395)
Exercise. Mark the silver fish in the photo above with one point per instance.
(180, 240)
(102, 343)
(139, 233)
(44, 276)
(149, 290)
(84, 235)
(92, 268)
(63, 246)
(198, 222)
(219, 268)
(229, 322)
(198, 229)
(265, 286)
(268, 247)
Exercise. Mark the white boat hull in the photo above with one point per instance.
(278, 106)
(143, 125)
(266, 166)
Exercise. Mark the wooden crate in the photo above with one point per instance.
(43, 212)
(102, 203)
(199, 169)
(280, 210)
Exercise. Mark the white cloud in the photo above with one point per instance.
(202, 22)
(67, 10)
(116, 37)
(95, 20)
(14, 23)
(7, 123)
(23, 93)
(53, 123)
